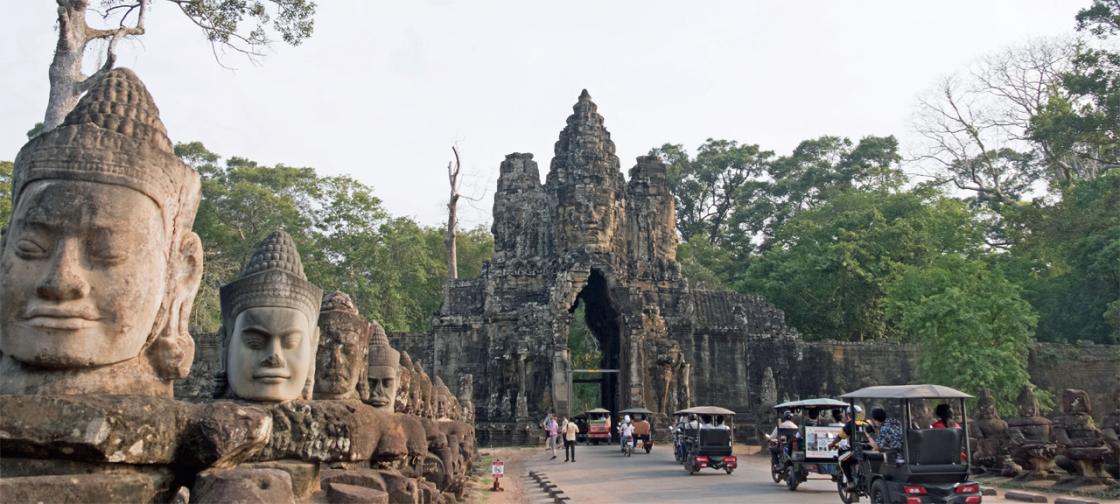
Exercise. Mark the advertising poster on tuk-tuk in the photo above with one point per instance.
(817, 440)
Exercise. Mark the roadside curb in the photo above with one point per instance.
(548, 487)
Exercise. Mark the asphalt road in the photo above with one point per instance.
(603, 475)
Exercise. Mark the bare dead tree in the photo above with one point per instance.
(221, 21)
(67, 80)
(454, 178)
(976, 124)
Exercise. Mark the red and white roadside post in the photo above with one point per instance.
(497, 470)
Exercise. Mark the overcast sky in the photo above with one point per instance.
(383, 89)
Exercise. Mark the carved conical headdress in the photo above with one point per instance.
(114, 136)
(380, 353)
(272, 277)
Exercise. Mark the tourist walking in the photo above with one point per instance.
(570, 431)
(553, 431)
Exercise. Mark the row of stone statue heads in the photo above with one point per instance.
(99, 268)
(1031, 446)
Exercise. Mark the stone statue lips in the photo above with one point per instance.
(378, 401)
(60, 318)
(271, 375)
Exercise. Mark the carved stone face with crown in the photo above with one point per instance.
(99, 266)
(341, 360)
(384, 375)
(269, 331)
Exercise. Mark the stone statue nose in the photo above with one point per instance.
(64, 281)
(273, 360)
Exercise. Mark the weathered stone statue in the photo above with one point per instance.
(384, 371)
(1082, 448)
(920, 415)
(990, 434)
(466, 400)
(1110, 428)
(1031, 442)
(269, 331)
(99, 266)
(404, 389)
(341, 362)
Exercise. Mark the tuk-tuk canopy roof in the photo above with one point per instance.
(598, 410)
(705, 410)
(819, 403)
(635, 411)
(924, 391)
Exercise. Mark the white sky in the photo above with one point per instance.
(383, 89)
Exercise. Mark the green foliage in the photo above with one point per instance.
(707, 266)
(393, 268)
(5, 193)
(974, 329)
(828, 267)
(222, 21)
(584, 353)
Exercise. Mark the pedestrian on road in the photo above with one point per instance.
(553, 431)
(570, 431)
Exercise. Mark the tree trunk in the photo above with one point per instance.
(452, 210)
(65, 72)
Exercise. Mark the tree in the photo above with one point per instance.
(220, 21)
(708, 187)
(1082, 122)
(5, 193)
(976, 124)
(828, 267)
(973, 328)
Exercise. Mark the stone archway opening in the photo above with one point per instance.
(594, 342)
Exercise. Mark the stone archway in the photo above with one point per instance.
(604, 322)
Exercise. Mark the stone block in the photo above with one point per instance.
(1070, 500)
(341, 493)
(333, 431)
(304, 475)
(1024, 496)
(249, 486)
(84, 488)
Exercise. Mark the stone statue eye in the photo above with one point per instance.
(254, 340)
(29, 249)
(290, 340)
(104, 248)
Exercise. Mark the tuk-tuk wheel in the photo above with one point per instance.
(792, 479)
(728, 469)
(845, 496)
(879, 493)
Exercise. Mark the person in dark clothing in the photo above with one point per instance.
(944, 414)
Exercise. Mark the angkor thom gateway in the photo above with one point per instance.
(589, 236)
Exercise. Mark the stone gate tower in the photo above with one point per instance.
(588, 236)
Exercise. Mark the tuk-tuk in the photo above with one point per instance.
(598, 426)
(931, 466)
(797, 452)
(706, 439)
(643, 432)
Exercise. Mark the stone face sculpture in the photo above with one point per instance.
(269, 333)
(1110, 428)
(341, 362)
(384, 374)
(1031, 442)
(990, 434)
(404, 388)
(99, 267)
(1082, 448)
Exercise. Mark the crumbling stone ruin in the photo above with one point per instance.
(98, 273)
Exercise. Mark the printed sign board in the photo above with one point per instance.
(498, 468)
(817, 440)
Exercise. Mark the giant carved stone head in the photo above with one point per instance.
(341, 360)
(384, 377)
(269, 327)
(99, 267)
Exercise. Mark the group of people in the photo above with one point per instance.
(566, 428)
(629, 430)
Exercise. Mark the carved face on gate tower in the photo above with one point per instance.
(99, 268)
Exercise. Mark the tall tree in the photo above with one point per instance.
(221, 21)
(974, 329)
(454, 179)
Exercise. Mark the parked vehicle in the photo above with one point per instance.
(932, 465)
(797, 453)
(598, 426)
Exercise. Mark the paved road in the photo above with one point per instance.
(603, 475)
